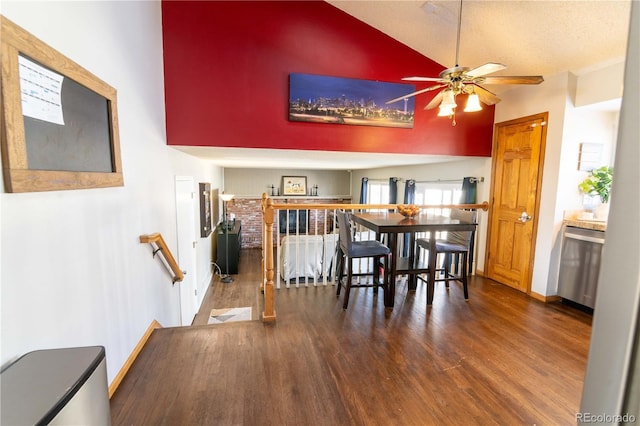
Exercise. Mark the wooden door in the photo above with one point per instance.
(518, 153)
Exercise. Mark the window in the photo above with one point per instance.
(438, 193)
(378, 193)
(446, 192)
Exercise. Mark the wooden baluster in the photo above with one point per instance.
(269, 313)
(263, 206)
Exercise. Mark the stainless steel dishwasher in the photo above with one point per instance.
(580, 264)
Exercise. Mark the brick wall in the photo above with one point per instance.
(248, 211)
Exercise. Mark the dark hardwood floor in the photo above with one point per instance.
(502, 358)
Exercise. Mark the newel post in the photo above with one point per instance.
(269, 313)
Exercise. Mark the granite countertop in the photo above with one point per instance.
(587, 224)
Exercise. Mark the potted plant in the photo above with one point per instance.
(598, 183)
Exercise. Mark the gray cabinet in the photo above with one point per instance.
(229, 242)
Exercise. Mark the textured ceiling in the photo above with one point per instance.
(530, 37)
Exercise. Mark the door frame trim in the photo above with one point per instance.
(544, 116)
(180, 239)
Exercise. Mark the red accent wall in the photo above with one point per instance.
(227, 67)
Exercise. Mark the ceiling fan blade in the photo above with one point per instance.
(428, 89)
(521, 79)
(422, 79)
(486, 97)
(435, 101)
(485, 69)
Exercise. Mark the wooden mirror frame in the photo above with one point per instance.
(17, 175)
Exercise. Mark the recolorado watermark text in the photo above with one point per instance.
(605, 418)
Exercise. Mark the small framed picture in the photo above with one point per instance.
(294, 185)
(590, 156)
(205, 209)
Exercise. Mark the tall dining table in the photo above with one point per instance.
(394, 224)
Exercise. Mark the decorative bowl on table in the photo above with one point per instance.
(408, 210)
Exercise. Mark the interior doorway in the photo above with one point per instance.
(516, 183)
(186, 230)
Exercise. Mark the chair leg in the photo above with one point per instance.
(377, 264)
(386, 274)
(447, 271)
(340, 273)
(347, 287)
(464, 276)
(423, 258)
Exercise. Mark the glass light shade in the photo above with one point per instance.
(473, 103)
(226, 197)
(448, 100)
(445, 111)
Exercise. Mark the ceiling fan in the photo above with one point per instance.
(456, 80)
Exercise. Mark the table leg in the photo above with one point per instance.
(432, 270)
(390, 291)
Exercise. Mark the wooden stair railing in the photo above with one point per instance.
(159, 245)
(268, 218)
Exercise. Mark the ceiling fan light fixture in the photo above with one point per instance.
(459, 79)
(473, 103)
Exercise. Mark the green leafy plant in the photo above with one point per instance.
(598, 183)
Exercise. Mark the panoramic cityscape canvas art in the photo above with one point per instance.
(336, 100)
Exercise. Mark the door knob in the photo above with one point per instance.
(524, 217)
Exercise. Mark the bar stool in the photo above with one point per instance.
(350, 250)
(456, 243)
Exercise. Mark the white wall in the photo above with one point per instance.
(585, 125)
(600, 84)
(612, 375)
(73, 272)
(254, 182)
